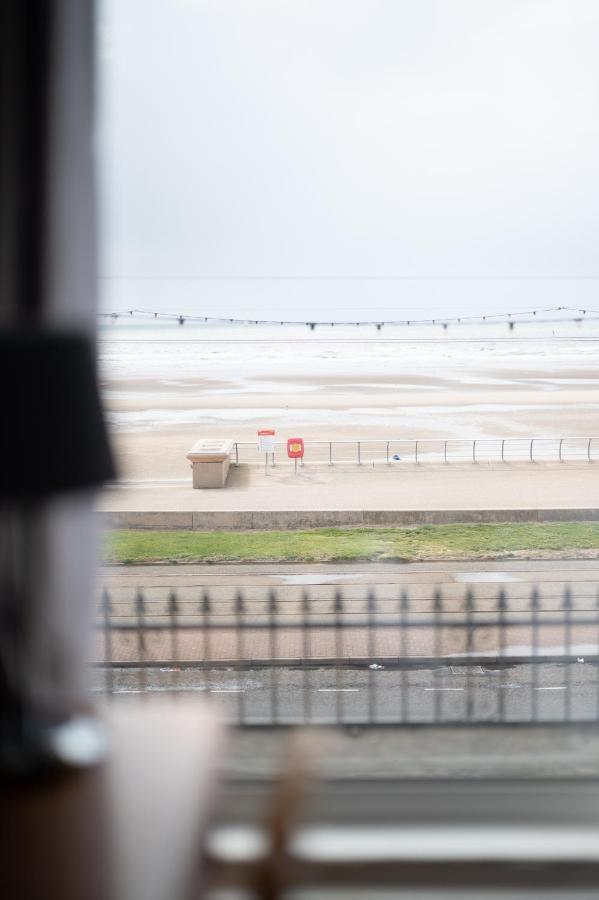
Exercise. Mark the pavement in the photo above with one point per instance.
(306, 610)
(426, 486)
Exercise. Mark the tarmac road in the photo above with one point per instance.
(542, 692)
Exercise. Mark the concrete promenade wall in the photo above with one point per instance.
(281, 520)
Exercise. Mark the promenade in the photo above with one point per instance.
(459, 486)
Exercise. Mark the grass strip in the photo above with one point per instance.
(430, 542)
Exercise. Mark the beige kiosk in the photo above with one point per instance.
(210, 461)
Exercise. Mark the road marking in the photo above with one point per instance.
(510, 687)
(444, 689)
(339, 690)
(227, 690)
(464, 671)
(558, 687)
(155, 689)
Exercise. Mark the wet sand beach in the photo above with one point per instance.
(164, 389)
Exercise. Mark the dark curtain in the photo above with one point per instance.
(54, 446)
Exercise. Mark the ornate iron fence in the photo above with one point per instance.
(359, 660)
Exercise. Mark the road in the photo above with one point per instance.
(545, 692)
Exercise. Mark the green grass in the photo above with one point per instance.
(336, 544)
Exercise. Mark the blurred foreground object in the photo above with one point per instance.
(55, 447)
(130, 829)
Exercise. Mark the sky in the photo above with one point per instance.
(427, 140)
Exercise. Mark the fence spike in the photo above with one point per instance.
(239, 602)
(404, 601)
(469, 600)
(567, 598)
(140, 602)
(272, 602)
(106, 602)
(173, 603)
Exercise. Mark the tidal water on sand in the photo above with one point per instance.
(469, 379)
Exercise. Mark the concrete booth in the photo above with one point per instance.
(210, 462)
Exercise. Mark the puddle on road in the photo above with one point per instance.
(484, 577)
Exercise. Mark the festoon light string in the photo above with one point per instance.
(569, 314)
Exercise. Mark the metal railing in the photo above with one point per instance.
(362, 660)
(430, 450)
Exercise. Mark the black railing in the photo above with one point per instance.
(360, 661)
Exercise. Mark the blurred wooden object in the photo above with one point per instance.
(130, 829)
(264, 868)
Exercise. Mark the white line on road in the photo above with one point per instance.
(444, 689)
(557, 687)
(339, 690)
(159, 688)
(227, 690)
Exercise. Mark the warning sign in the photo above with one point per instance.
(266, 440)
(295, 448)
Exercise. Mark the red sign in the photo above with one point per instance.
(295, 448)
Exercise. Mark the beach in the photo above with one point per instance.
(166, 386)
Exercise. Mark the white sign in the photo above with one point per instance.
(266, 440)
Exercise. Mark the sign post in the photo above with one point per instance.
(295, 450)
(266, 445)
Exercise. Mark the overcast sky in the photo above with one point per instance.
(348, 137)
